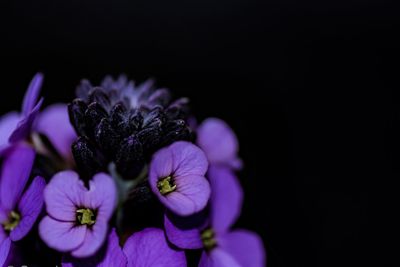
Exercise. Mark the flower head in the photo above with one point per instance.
(177, 178)
(147, 248)
(219, 142)
(53, 122)
(125, 124)
(222, 247)
(19, 209)
(77, 219)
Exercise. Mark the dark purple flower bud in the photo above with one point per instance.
(83, 89)
(106, 138)
(76, 111)
(99, 96)
(94, 114)
(129, 159)
(88, 159)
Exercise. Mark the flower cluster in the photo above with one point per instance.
(121, 176)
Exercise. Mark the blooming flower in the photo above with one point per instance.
(77, 219)
(222, 247)
(124, 123)
(18, 209)
(219, 142)
(53, 122)
(16, 126)
(147, 248)
(177, 178)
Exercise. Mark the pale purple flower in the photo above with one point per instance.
(219, 143)
(19, 209)
(77, 219)
(53, 122)
(222, 247)
(148, 248)
(177, 178)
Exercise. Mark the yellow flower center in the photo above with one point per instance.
(13, 220)
(208, 238)
(85, 217)
(166, 185)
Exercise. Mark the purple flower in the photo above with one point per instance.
(16, 126)
(177, 178)
(19, 209)
(222, 247)
(147, 248)
(77, 220)
(219, 143)
(53, 122)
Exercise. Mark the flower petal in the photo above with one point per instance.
(15, 173)
(245, 246)
(54, 123)
(226, 198)
(188, 159)
(93, 240)
(5, 247)
(3, 216)
(102, 195)
(161, 165)
(191, 195)
(29, 206)
(185, 232)
(219, 142)
(32, 94)
(61, 236)
(149, 248)
(218, 258)
(8, 123)
(24, 127)
(64, 193)
(110, 255)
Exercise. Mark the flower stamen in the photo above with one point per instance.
(208, 238)
(166, 185)
(85, 217)
(13, 220)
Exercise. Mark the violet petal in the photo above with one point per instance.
(149, 248)
(94, 239)
(29, 207)
(218, 258)
(226, 198)
(63, 194)
(111, 255)
(5, 247)
(24, 127)
(8, 123)
(245, 247)
(185, 232)
(54, 123)
(219, 142)
(61, 236)
(15, 173)
(32, 94)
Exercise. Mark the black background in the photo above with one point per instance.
(310, 87)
